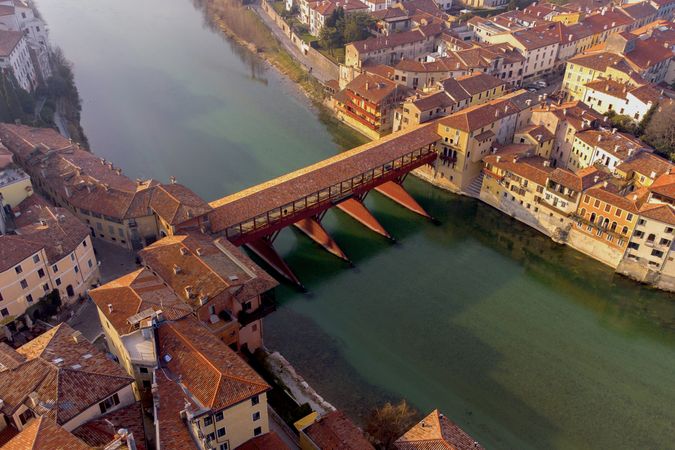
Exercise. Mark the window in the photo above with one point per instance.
(210, 437)
(36, 259)
(669, 229)
(147, 384)
(18, 269)
(257, 431)
(664, 242)
(72, 256)
(255, 400)
(219, 416)
(41, 273)
(256, 416)
(4, 312)
(109, 403)
(629, 217)
(143, 369)
(55, 268)
(221, 432)
(29, 298)
(651, 237)
(641, 221)
(597, 203)
(618, 212)
(224, 446)
(77, 269)
(84, 243)
(657, 253)
(246, 306)
(90, 264)
(208, 420)
(58, 281)
(23, 284)
(45, 287)
(608, 208)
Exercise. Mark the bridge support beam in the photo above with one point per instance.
(265, 250)
(357, 210)
(394, 191)
(316, 232)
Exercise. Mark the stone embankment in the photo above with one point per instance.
(298, 388)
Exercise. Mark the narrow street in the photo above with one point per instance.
(285, 40)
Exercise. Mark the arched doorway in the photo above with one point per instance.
(70, 291)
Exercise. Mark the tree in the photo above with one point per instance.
(660, 131)
(329, 38)
(357, 27)
(623, 123)
(337, 16)
(388, 423)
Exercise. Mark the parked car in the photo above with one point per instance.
(540, 84)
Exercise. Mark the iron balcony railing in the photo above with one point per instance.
(329, 195)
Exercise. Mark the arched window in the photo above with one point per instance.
(583, 212)
(625, 230)
(592, 217)
(605, 223)
(600, 219)
(613, 227)
(651, 237)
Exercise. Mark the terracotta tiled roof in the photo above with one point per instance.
(614, 88)
(326, 7)
(56, 229)
(532, 168)
(268, 441)
(612, 18)
(659, 211)
(213, 374)
(597, 61)
(646, 164)
(172, 429)
(432, 101)
(436, 431)
(532, 39)
(56, 369)
(536, 132)
(88, 182)
(207, 267)
(99, 433)
(10, 358)
(664, 185)
(639, 10)
(396, 39)
(136, 292)
(14, 249)
(621, 145)
(176, 203)
(335, 431)
(296, 185)
(379, 69)
(478, 82)
(44, 434)
(478, 116)
(8, 41)
(574, 113)
(374, 88)
(629, 203)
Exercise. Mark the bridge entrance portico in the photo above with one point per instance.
(255, 216)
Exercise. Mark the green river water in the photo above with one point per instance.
(524, 343)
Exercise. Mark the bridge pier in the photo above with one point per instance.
(395, 192)
(264, 249)
(355, 208)
(316, 232)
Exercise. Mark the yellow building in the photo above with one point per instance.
(609, 148)
(15, 185)
(539, 137)
(115, 208)
(467, 136)
(51, 250)
(643, 169)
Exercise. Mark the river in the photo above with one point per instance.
(524, 343)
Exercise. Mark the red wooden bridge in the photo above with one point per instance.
(255, 216)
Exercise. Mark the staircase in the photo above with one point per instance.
(473, 190)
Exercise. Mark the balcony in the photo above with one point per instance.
(268, 304)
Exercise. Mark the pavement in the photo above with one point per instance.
(291, 48)
(114, 260)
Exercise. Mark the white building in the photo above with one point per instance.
(14, 56)
(17, 15)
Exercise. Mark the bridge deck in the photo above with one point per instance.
(281, 201)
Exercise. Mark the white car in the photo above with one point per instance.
(540, 84)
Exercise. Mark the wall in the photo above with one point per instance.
(316, 59)
(594, 248)
(238, 422)
(14, 296)
(126, 396)
(15, 192)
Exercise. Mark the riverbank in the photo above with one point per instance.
(242, 25)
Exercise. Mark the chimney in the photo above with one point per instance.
(617, 147)
(183, 251)
(188, 292)
(604, 183)
(499, 157)
(595, 179)
(203, 298)
(652, 174)
(613, 130)
(547, 163)
(118, 171)
(599, 138)
(634, 197)
(176, 269)
(200, 252)
(367, 85)
(77, 337)
(110, 308)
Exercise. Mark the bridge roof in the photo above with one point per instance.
(264, 197)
